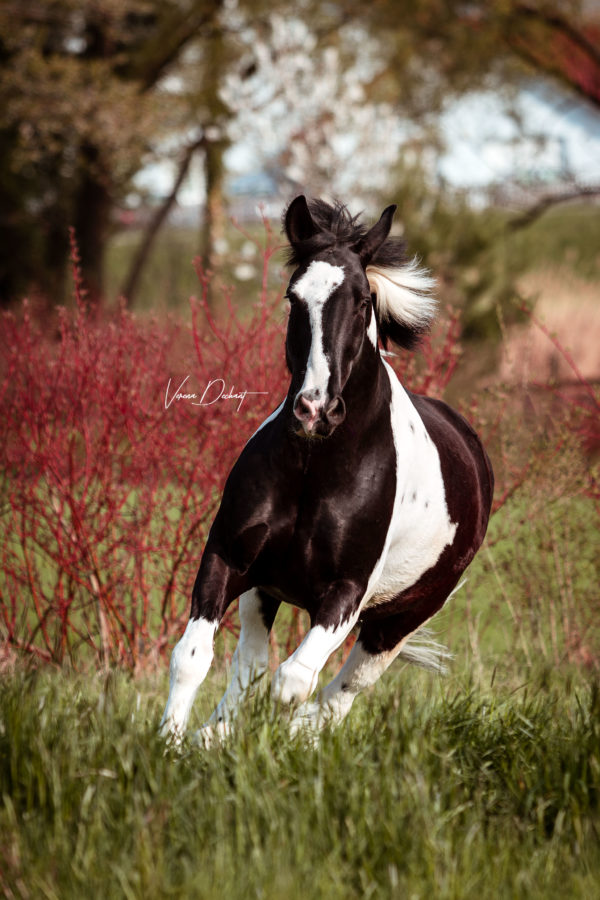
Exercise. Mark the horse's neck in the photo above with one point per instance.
(367, 394)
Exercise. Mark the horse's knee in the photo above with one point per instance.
(193, 654)
(190, 662)
(293, 682)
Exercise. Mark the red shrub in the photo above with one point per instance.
(110, 481)
(113, 469)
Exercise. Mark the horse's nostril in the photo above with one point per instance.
(336, 411)
(305, 409)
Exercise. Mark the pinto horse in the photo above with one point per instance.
(355, 500)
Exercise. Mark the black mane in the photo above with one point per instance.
(338, 227)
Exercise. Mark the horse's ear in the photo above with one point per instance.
(299, 225)
(370, 243)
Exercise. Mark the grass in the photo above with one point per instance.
(169, 279)
(485, 783)
(431, 788)
(567, 238)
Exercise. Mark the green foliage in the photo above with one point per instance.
(478, 256)
(465, 248)
(82, 109)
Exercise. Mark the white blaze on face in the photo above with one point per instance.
(315, 287)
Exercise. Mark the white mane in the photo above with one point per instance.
(403, 294)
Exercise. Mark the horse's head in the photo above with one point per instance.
(349, 284)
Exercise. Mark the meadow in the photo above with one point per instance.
(481, 783)
(452, 788)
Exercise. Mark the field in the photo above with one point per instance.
(482, 783)
(453, 789)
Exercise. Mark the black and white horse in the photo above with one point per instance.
(355, 500)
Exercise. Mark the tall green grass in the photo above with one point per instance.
(430, 789)
(482, 784)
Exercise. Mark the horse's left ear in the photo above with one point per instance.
(368, 245)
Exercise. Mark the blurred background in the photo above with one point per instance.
(149, 125)
(159, 132)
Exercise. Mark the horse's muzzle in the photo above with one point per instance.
(318, 419)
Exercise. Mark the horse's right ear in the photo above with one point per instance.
(298, 223)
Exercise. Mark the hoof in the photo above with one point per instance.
(308, 721)
(212, 734)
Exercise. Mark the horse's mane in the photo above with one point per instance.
(404, 306)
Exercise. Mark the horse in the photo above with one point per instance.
(355, 500)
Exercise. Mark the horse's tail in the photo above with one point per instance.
(421, 649)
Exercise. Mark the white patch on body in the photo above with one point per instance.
(372, 329)
(315, 287)
(190, 662)
(420, 527)
(403, 293)
(296, 678)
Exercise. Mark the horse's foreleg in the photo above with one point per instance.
(360, 671)
(296, 678)
(190, 662)
(215, 588)
(251, 658)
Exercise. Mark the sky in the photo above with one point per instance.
(549, 132)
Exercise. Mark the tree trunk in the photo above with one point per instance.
(212, 235)
(213, 231)
(92, 221)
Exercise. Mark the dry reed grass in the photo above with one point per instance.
(570, 308)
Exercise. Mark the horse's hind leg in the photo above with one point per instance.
(250, 660)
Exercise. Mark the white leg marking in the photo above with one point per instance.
(250, 660)
(361, 670)
(296, 678)
(190, 663)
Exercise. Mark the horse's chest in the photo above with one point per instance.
(335, 528)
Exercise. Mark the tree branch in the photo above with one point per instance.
(563, 26)
(172, 38)
(550, 200)
(131, 282)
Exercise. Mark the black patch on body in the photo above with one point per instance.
(320, 510)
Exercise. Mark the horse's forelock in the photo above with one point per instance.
(301, 251)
